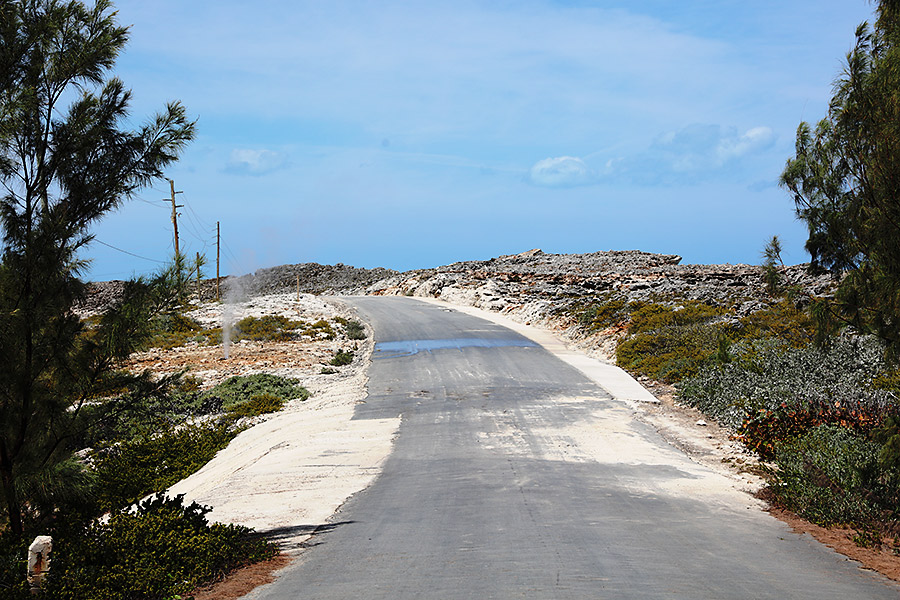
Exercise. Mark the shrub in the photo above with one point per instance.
(669, 342)
(257, 405)
(161, 549)
(782, 320)
(275, 328)
(153, 462)
(671, 353)
(830, 475)
(240, 388)
(172, 329)
(353, 329)
(769, 375)
(13, 585)
(764, 431)
(653, 317)
(341, 358)
(603, 313)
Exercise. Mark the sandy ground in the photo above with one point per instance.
(290, 471)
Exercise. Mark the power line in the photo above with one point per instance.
(130, 253)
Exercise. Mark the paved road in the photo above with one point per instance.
(480, 499)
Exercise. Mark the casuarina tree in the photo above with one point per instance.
(845, 182)
(67, 158)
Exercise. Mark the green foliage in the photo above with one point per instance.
(771, 263)
(274, 328)
(844, 179)
(238, 389)
(153, 462)
(769, 375)
(354, 330)
(888, 435)
(830, 475)
(62, 169)
(767, 429)
(13, 564)
(257, 405)
(341, 358)
(162, 549)
(603, 313)
(669, 343)
(781, 320)
(652, 317)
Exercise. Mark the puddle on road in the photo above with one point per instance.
(409, 347)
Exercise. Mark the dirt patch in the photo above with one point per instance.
(244, 580)
(884, 560)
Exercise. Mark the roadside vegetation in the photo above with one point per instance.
(809, 383)
(81, 436)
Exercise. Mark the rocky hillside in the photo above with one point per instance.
(532, 287)
(536, 287)
(314, 278)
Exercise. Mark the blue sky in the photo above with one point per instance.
(414, 134)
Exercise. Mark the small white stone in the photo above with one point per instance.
(701, 423)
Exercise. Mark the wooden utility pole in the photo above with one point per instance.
(175, 208)
(198, 278)
(217, 260)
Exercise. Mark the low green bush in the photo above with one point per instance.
(781, 320)
(274, 328)
(770, 375)
(241, 388)
(257, 405)
(341, 358)
(154, 461)
(354, 330)
(603, 313)
(161, 549)
(830, 475)
(320, 330)
(670, 353)
(655, 316)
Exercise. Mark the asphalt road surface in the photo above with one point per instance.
(489, 493)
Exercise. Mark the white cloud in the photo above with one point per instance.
(691, 154)
(754, 140)
(562, 171)
(255, 162)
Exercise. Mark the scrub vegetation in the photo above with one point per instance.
(808, 383)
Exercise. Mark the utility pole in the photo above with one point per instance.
(199, 299)
(175, 208)
(218, 237)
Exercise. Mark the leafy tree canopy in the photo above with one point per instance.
(845, 182)
(67, 157)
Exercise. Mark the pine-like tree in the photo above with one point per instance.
(845, 182)
(62, 167)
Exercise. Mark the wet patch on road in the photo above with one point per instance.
(402, 348)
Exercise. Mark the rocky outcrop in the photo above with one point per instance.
(536, 287)
(314, 279)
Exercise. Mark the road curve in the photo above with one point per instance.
(514, 476)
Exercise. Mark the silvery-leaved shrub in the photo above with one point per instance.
(768, 375)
